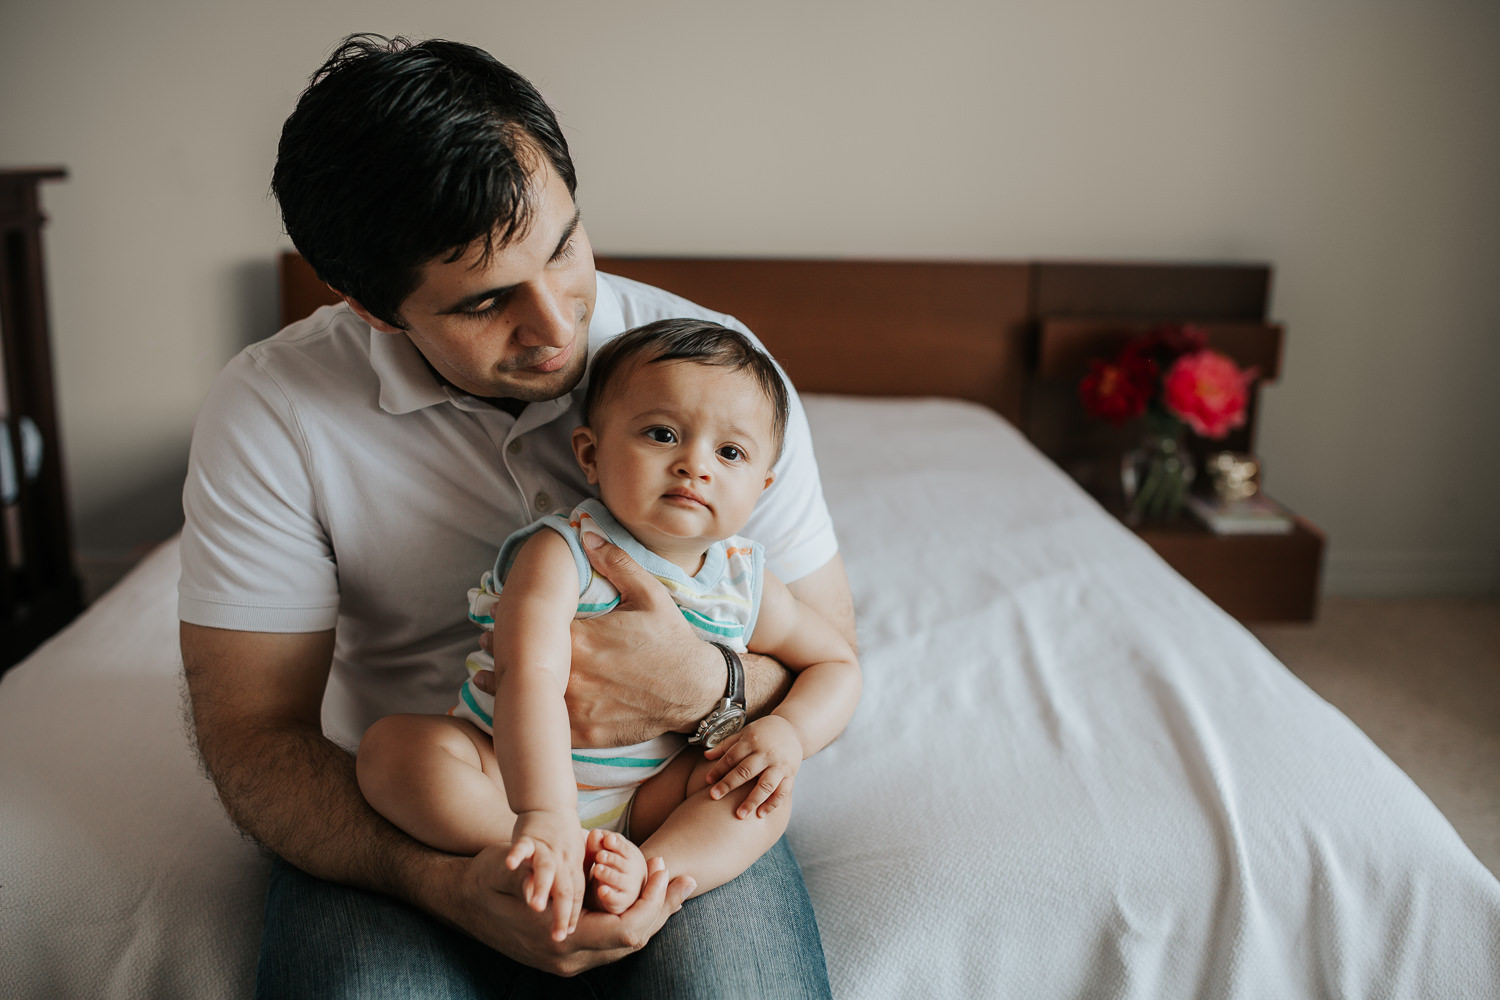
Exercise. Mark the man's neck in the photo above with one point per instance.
(511, 406)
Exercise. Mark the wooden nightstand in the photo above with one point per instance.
(39, 588)
(1088, 310)
(1256, 578)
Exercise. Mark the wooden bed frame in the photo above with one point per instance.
(1014, 336)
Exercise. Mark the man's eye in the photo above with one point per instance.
(488, 307)
(662, 435)
(731, 453)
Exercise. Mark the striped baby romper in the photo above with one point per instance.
(720, 602)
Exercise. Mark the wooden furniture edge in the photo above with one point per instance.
(1065, 346)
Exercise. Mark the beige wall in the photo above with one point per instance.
(1353, 143)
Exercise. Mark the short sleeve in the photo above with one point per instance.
(791, 519)
(255, 556)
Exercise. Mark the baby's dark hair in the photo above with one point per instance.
(696, 340)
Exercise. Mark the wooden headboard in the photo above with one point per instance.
(1010, 335)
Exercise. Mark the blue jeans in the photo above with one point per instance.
(755, 937)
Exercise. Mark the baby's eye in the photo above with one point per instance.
(731, 453)
(661, 435)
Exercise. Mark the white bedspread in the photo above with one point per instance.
(1071, 775)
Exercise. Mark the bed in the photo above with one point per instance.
(1071, 775)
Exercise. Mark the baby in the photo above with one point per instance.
(683, 422)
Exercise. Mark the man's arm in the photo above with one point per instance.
(826, 591)
(257, 700)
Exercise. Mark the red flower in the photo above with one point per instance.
(1118, 391)
(1208, 392)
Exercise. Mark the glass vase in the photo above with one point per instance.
(1157, 474)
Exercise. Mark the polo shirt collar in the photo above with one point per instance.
(608, 320)
(406, 383)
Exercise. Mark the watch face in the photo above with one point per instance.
(725, 725)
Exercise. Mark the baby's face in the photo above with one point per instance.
(680, 452)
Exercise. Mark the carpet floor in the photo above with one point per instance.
(1422, 679)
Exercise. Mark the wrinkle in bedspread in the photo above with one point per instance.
(1205, 767)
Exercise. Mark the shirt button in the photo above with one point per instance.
(543, 502)
(514, 447)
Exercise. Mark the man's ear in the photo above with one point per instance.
(365, 315)
(586, 450)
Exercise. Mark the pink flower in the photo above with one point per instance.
(1208, 392)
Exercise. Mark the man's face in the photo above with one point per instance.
(516, 326)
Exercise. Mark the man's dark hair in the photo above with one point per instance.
(401, 153)
(697, 340)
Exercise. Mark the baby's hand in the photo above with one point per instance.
(768, 747)
(551, 844)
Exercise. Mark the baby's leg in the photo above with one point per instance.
(694, 834)
(436, 778)
(612, 863)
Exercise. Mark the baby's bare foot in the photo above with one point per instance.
(616, 870)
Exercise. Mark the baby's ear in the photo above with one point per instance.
(586, 450)
(770, 478)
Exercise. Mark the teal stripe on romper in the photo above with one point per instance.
(731, 631)
(468, 697)
(579, 758)
(481, 619)
(591, 608)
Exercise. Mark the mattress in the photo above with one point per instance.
(1071, 775)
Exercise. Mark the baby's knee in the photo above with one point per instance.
(391, 747)
(379, 750)
(386, 736)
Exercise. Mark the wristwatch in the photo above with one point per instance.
(728, 716)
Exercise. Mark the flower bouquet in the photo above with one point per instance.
(1171, 380)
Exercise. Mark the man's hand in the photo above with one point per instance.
(767, 751)
(643, 673)
(498, 916)
(638, 671)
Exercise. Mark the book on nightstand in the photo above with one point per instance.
(1257, 515)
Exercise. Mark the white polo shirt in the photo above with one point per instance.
(335, 482)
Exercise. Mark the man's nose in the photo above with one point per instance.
(547, 319)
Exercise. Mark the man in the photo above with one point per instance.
(353, 476)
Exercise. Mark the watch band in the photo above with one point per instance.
(728, 716)
(734, 690)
